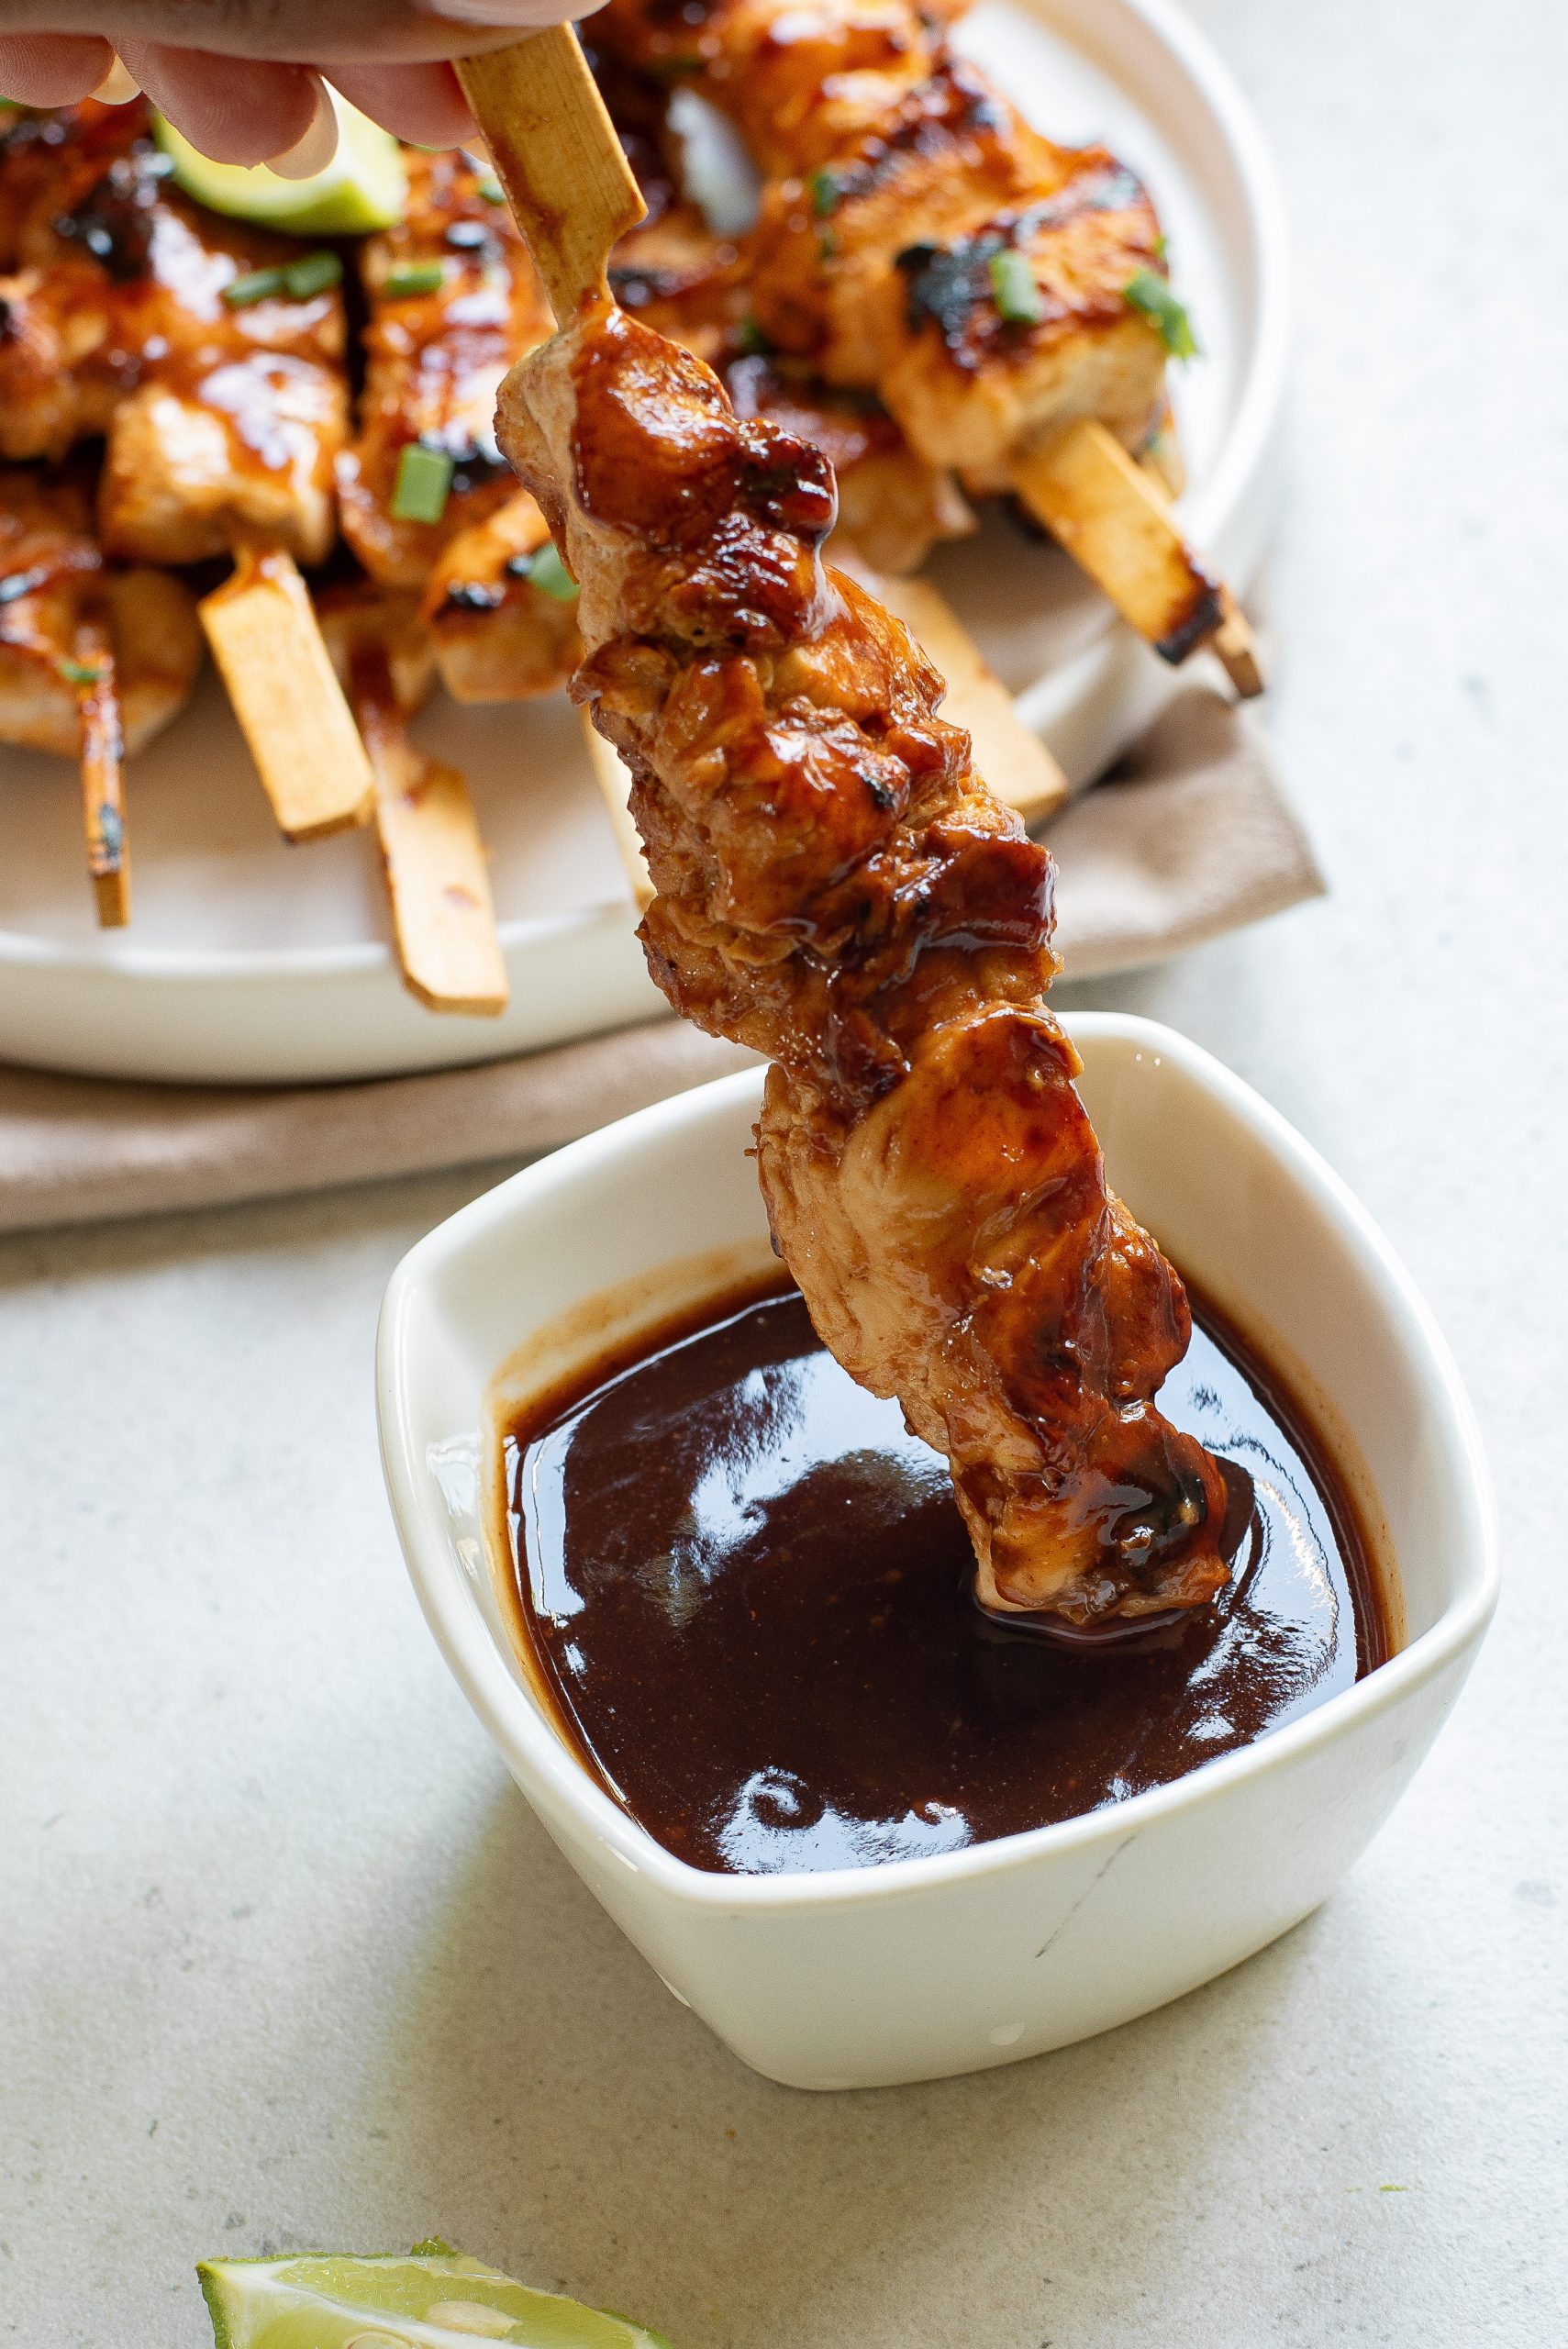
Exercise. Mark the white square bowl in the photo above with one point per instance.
(919, 1968)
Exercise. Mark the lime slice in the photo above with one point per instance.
(435, 2297)
(363, 187)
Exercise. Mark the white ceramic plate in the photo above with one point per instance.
(252, 962)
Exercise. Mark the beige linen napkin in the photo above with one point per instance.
(1189, 836)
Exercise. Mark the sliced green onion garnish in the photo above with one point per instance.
(79, 672)
(312, 273)
(1012, 283)
(549, 575)
(1152, 293)
(491, 189)
(753, 342)
(424, 477)
(256, 285)
(414, 277)
(825, 188)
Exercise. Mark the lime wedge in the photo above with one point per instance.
(434, 2298)
(363, 187)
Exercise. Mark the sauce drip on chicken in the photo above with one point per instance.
(837, 889)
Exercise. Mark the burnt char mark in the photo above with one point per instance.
(1202, 615)
(473, 596)
(635, 288)
(944, 284)
(953, 104)
(949, 286)
(114, 223)
(790, 483)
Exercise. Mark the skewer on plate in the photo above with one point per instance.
(1004, 297)
(437, 881)
(91, 662)
(232, 341)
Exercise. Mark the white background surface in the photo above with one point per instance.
(287, 1961)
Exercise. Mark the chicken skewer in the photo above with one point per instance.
(1007, 297)
(438, 882)
(500, 603)
(837, 889)
(451, 300)
(210, 355)
(90, 663)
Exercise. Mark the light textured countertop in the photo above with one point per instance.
(286, 1959)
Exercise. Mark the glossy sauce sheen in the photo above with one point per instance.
(746, 1588)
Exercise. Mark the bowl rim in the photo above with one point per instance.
(534, 1750)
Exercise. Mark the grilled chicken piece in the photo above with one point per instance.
(837, 889)
(52, 580)
(244, 452)
(497, 635)
(223, 419)
(434, 354)
(803, 84)
(914, 221)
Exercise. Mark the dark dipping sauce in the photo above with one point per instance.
(747, 1592)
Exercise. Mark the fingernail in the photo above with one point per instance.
(315, 149)
(531, 14)
(117, 88)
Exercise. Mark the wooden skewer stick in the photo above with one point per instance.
(74, 651)
(267, 644)
(615, 781)
(1008, 755)
(103, 774)
(1115, 522)
(557, 155)
(437, 881)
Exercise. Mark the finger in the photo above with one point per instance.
(53, 69)
(421, 103)
(361, 31)
(235, 109)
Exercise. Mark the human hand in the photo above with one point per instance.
(242, 78)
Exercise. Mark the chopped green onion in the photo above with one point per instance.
(491, 189)
(1151, 295)
(424, 478)
(414, 277)
(79, 672)
(1012, 283)
(825, 188)
(827, 245)
(256, 285)
(549, 575)
(753, 342)
(312, 273)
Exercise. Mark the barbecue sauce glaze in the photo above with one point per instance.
(746, 1593)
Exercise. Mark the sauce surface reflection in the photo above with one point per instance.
(746, 1588)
